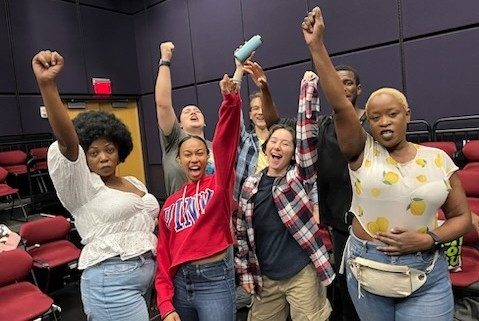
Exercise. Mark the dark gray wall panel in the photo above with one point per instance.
(143, 53)
(216, 31)
(9, 122)
(156, 182)
(150, 126)
(210, 98)
(182, 97)
(125, 6)
(443, 82)
(285, 83)
(168, 21)
(152, 2)
(426, 16)
(31, 121)
(378, 67)
(7, 79)
(46, 24)
(279, 24)
(110, 49)
(352, 24)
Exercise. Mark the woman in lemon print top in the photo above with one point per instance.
(397, 189)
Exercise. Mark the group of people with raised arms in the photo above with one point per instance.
(268, 211)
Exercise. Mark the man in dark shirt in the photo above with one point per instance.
(335, 191)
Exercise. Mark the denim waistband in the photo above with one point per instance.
(194, 266)
(369, 244)
(143, 256)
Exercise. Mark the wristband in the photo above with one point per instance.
(164, 63)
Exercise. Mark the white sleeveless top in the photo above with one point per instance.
(389, 194)
(110, 222)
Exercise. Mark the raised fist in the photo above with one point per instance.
(47, 65)
(166, 50)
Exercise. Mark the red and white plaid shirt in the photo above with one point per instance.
(290, 195)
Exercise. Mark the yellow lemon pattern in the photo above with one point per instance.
(388, 193)
(357, 187)
(390, 178)
(417, 206)
(422, 178)
(439, 160)
(422, 229)
(380, 225)
(391, 160)
(375, 192)
(359, 211)
(421, 162)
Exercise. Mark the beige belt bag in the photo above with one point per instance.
(394, 281)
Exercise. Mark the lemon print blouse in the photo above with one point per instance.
(389, 194)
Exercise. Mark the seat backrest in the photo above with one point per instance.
(13, 157)
(40, 152)
(472, 237)
(15, 265)
(471, 150)
(3, 174)
(470, 182)
(448, 147)
(45, 230)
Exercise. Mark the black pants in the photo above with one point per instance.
(343, 307)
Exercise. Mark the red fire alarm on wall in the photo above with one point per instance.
(101, 86)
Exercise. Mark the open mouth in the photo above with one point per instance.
(194, 170)
(276, 156)
(386, 134)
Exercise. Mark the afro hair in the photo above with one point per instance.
(93, 125)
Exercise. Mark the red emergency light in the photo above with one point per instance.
(101, 86)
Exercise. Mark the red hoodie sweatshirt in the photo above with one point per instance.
(194, 222)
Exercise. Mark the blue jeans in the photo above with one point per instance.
(114, 289)
(431, 302)
(206, 292)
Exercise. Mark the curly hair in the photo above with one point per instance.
(93, 125)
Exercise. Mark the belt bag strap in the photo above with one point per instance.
(389, 280)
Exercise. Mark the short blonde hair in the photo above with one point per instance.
(392, 92)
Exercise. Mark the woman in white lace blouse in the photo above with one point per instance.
(114, 215)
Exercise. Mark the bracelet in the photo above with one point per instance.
(164, 63)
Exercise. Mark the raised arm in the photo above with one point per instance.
(226, 137)
(351, 136)
(46, 67)
(164, 105)
(306, 153)
(270, 113)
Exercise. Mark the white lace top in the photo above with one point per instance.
(110, 222)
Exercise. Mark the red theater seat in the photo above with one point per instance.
(46, 241)
(20, 299)
(471, 152)
(448, 147)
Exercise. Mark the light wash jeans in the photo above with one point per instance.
(431, 302)
(206, 292)
(113, 290)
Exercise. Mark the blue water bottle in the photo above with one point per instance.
(247, 49)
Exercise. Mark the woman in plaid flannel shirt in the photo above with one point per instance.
(281, 258)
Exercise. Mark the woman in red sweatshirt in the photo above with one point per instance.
(195, 275)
